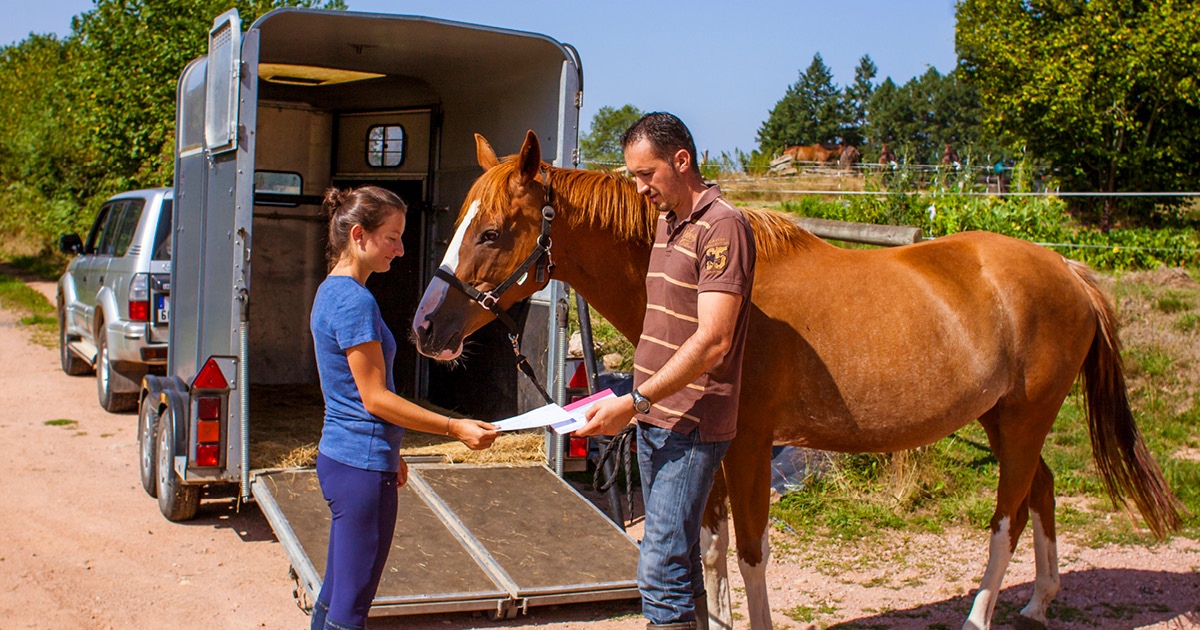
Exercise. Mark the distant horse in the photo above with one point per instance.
(886, 156)
(813, 153)
(848, 350)
(849, 157)
(949, 156)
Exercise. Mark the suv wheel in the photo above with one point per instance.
(114, 402)
(72, 364)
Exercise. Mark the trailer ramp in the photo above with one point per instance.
(491, 538)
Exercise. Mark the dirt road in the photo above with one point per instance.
(82, 546)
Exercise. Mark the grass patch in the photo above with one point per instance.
(806, 614)
(1188, 323)
(35, 312)
(61, 422)
(1173, 303)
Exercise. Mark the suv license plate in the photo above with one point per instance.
(162, 310)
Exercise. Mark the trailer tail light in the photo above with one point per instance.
(208, 431)
(208, 455)
(578, 447)
(139, 297)
(208, 408)
(210, 377)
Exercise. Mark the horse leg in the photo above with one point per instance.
(714, 549)
(748, 478)
(1016, 441)
(1045, 549)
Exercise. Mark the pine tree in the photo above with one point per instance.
(857, 99)
(811, 111)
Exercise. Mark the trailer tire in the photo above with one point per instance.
(147, 448)
(112, 401)
(72, 364)
(176, 501)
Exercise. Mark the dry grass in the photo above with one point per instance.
(286, 420)
(1161, 353)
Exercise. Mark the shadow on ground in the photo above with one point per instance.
(1113, 599)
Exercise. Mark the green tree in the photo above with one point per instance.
(602, 144)
(857, 97)
(917, 120)
(1104, 91)
(811, 111)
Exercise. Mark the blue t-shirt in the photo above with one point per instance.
(344, 315)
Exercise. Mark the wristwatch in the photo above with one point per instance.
(640, 402)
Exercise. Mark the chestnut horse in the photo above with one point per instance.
(813, 153)
(848, 350)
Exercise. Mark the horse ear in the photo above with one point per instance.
(484, 153)
(530, 158)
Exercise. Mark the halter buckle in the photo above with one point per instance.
(488, 301)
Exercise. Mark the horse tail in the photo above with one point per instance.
(1120, 454)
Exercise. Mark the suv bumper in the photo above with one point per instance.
(137, 342)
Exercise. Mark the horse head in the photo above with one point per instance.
(499, 225)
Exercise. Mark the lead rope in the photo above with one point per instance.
(620, 450)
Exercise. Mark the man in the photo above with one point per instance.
(687, 367)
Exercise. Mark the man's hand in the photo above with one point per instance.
(608, 417)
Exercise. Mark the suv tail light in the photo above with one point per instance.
(139, 297)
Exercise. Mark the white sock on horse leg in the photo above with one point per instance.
(1045, 586)
(993, 576)
(714, 550)
(755, 577)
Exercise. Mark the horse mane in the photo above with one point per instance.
(611, 202)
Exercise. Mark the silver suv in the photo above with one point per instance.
(114, 298)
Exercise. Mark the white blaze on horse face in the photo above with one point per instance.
(755, 577)
(435, 293)
(999, 553)
(1045, 586)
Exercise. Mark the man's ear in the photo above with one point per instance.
(683, 160)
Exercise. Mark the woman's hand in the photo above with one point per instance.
(402, 474)
(475, 434)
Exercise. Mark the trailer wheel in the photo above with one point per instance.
(112, 401)
(147, 449)
(176, 501)
(72, 364)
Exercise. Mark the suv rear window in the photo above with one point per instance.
(162, 234)
(123, 235)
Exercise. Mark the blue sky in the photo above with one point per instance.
(720, 66)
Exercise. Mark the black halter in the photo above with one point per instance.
(539, 257)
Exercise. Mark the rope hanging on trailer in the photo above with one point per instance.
(620, 450)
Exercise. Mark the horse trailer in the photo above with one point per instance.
(269, 119)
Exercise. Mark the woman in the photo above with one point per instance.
(358, 461)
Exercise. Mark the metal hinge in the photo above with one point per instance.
(575, 156)
(579, 99)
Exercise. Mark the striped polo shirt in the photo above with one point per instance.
(711, 249)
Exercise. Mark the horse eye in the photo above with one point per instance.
(488, 236)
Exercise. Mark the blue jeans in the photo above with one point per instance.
(677, 473)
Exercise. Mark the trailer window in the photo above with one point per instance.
(277, 182)
(385, 145)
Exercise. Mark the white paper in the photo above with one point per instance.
(577, 412)
(540, 417)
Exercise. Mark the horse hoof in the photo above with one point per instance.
(1027, 623)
